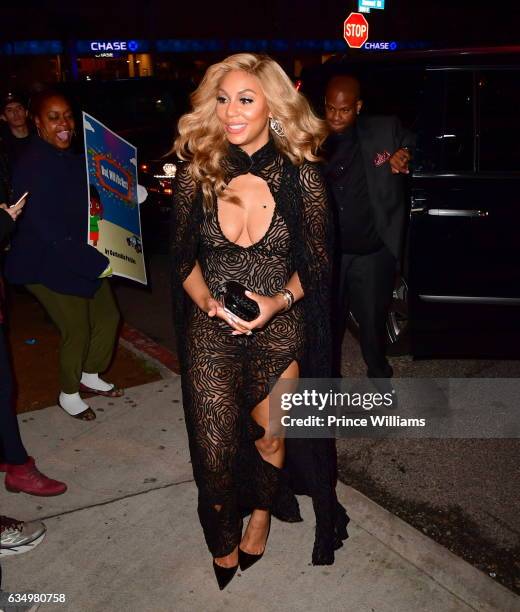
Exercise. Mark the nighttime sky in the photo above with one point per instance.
(453, 22)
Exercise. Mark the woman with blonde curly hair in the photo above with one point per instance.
(250, 207)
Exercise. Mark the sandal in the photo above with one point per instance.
(86, 415)
(114, 392)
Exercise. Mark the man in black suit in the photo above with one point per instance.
(366, 158)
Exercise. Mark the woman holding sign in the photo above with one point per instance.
(50, 256)
(251, 220)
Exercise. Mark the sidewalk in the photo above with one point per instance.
(34, 343)
(126, 534)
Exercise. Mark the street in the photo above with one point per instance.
(436, 485)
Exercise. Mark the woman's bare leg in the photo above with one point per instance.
(272, 450)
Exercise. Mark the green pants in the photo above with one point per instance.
(88, 330)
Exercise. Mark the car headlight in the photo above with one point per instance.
(169, 169)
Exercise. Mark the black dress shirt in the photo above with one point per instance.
(346, 175)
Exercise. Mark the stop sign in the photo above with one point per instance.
(355, 30)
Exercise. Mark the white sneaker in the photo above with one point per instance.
(18, 537)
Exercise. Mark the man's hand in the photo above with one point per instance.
(399, 161)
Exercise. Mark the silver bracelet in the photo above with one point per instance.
(288, 297)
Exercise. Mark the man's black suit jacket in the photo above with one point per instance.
(378, 136)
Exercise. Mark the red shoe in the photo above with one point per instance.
(29, 479)
(3, 467)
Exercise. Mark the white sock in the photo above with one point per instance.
(94, 382)
(72, 403)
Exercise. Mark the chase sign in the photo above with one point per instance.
(380, 45)
(112, 46)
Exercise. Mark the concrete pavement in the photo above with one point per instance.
(126, 534)
(448, 475)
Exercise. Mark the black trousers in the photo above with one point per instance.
(364, 284)
(11, 446)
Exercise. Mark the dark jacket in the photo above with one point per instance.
(14, 146)
(6, 226)
(50, 246)
(377, 135)
(5, 173)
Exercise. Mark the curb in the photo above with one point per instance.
(159, 356)
(457, 576)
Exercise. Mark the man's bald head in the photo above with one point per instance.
(342, 102)
(345, 83)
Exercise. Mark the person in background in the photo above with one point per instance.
(50, 256)
(5, 175)
(17, 130)
(21, 473)
(366, 158)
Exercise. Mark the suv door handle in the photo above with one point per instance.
(418, 202)
(451, 212)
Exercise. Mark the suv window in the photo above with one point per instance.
(392, 92)
(499, 93)
(445, 134)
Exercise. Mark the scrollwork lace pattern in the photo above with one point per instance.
(225, 376)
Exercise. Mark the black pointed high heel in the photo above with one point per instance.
(224, 575)
(245, 559)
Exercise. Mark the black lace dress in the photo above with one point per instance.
(224, 377)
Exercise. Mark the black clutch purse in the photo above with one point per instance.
(237, 303)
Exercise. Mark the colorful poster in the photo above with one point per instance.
(114, 220)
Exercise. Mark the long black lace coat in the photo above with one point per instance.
(302, 207)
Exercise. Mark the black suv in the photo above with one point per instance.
(459, 288)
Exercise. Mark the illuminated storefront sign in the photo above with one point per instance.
(111, 46)
(32, 47)
(120, 48)
(98, 46)
(187, 45)
(114, 45)
(380, 45)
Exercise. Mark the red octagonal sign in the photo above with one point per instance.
(355, 30)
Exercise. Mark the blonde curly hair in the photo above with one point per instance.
(202, 141)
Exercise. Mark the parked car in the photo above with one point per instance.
(458, 292)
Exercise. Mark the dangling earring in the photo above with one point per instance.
(277, 127)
